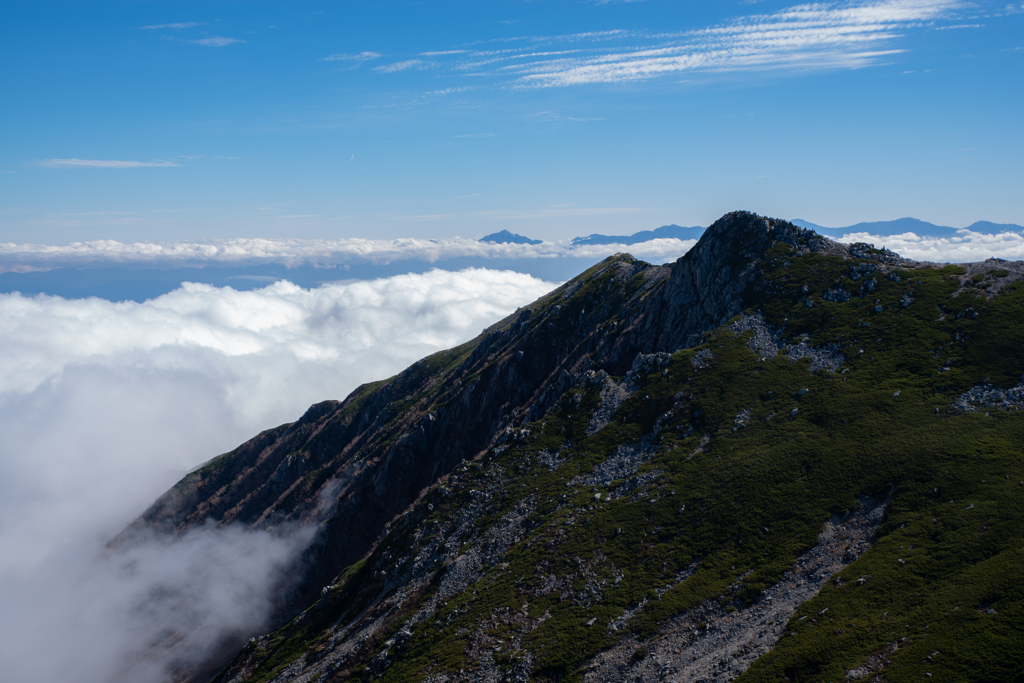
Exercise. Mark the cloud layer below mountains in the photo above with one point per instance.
(335, 255)
(294, 252)
(105, 405)
(968, 247)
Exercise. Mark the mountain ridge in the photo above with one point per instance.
(141, 281)
(577, 360)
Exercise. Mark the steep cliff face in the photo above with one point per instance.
(715, 280)
(652, 471)
(353, 465)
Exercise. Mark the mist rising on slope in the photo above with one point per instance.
(105, 405)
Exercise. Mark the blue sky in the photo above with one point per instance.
(138, 121)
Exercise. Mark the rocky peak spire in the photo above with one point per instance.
(710, 283)
(739, 237)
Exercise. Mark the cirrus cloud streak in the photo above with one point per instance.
(807, 37)
(104, 163)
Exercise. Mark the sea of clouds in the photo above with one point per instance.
(967, 247)
(333, 254)
(295, 252)
(104, 405)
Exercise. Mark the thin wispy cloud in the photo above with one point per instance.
(216, 41)
(589, 35)
(517, 54)
(451, 91)
(184, 24)
(808, 37)
(804, 37)
(104, 163)
(357, 57)
(401, 66)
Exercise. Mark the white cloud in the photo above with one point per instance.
(216, 41)
(358, 57)
(104, 163)
(966, 248)
(295, 252)
(449, 91)
(112, 612)
(353, 251)
(105, 405)
(813, 36)
(401, 66)
(806, 37)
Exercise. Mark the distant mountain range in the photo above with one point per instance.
(881, 228)
(118, 278)
(904, 225)
(664, 232)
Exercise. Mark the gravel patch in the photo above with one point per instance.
(768, 343)
(613, 394)
(550, 460)
(707, 643)
(989, 397)
(702, 359)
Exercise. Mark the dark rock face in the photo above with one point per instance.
(352, 466)
(711, 283)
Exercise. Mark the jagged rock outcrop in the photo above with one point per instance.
(713, 281)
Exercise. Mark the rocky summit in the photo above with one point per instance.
(779, 458)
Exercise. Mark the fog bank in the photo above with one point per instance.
(103, 406)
